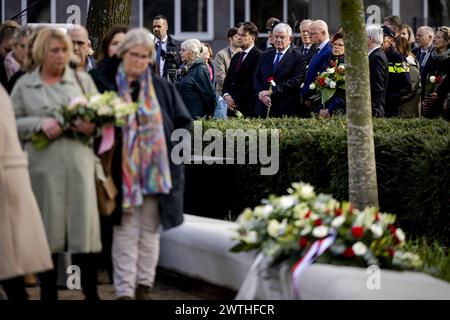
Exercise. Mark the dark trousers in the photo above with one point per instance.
(88, 268)
(15, 289)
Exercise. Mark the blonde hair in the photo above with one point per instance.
(42, 44)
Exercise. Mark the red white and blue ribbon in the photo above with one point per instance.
(315, 251)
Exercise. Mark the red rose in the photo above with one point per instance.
(322, 81)
(270, 79)
(338, 212)
(393, 229)
(377, 216)
(358, 232)
(391, 252)
(303, 242)
(308, 214)
(348, 253)
(438, 79)
(318, 222)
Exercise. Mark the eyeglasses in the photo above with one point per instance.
(78, 43)
(136, 55)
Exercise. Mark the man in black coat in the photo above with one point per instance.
(238, 90)
(423, 53)
(379, 70)
(287, 68)
(167, 48)
(307, 47)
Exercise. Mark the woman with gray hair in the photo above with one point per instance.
(194, 85)
(150, 184)
(15, 59)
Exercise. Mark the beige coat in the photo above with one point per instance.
(63, 174)
(23, 244)
(222, 61)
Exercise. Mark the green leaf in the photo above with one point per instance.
(327, 93)
(40, 140)
(243, 247)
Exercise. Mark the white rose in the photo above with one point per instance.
(275, 228)
(432, 79)
(377, 230)
(337, 222)
(306, 191)
(77, 101)
(287, 202)
(331, 70)
(312, 86)
(359, 249)
(251, 237)
(95, 99)
(263, 212)
(105, 111)
(333, 85)
(400, 235)
(320, 232)
(305, 231)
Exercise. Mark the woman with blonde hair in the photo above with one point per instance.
(62, 174)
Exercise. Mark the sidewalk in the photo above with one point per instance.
(168, 286)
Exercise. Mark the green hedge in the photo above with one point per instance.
(413, 167)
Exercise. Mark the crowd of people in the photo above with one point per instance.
(172, 83)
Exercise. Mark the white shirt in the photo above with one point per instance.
(247, 51)
(323, 44)
(163, 48)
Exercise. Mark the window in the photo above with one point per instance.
(261, 10)
(187, 19)
(439, 11)
(239, 12)
(38, 11)
(154, 8)
(194, 16)
(385, 6)
(298, 10)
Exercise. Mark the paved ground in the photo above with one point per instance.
(168, 286)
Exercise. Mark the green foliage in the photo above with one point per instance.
(413, 167)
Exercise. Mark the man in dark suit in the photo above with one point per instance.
(321, 38)
(238, 89)
(379, 69)
(307, 47)
(287, 67)
(167, 48)
(423, 53)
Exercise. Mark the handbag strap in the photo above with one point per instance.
(79, 81)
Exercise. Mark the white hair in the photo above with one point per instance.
(427, 30)
(283, 27)
(135, 37)
(375, 32)
(193, 45)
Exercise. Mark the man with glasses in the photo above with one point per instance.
(308, 48)
(81, 47)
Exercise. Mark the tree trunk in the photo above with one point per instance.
(105, 14)
(361, 151)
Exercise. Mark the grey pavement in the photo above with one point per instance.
(168, 286)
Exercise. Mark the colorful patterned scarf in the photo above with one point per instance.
(145, 162)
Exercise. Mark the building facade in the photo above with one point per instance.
(209, 20)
